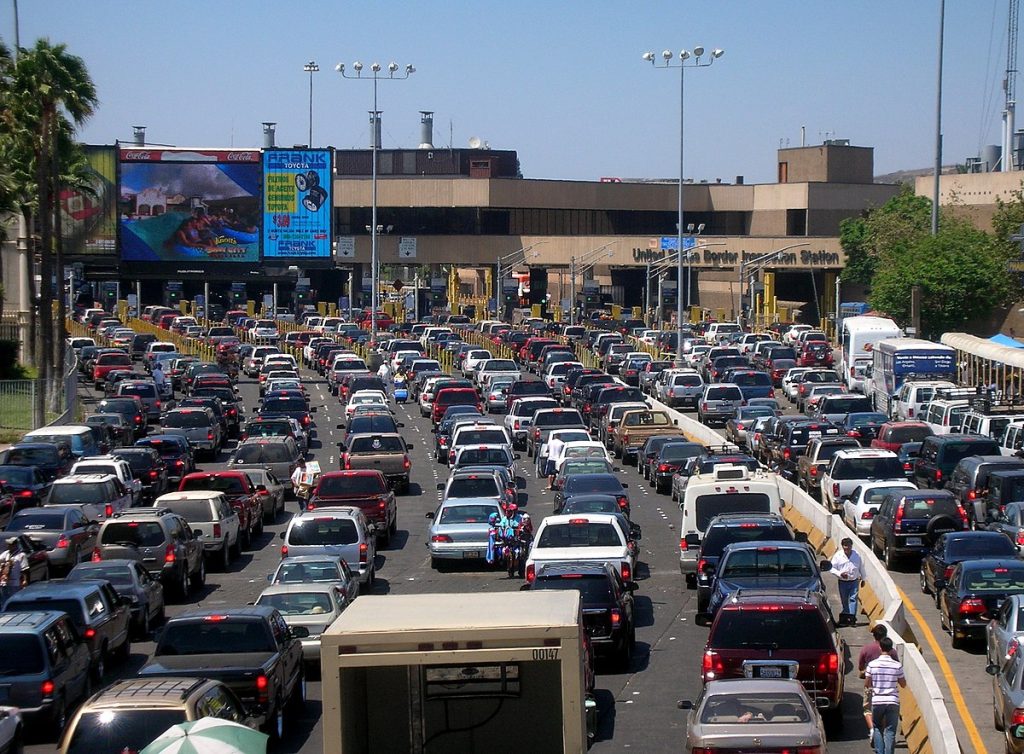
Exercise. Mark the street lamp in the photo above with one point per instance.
(311, 67)
(586, 262)
(512, 259)
(757, 263)
(375, 69)
(685, 60)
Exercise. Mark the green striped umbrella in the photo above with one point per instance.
(209, 735)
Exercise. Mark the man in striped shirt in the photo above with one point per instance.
(884, 676)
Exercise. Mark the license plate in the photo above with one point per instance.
(913, 541)
(768, 671)
(471, 553)
(814, 435)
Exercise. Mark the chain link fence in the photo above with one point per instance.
(18, 399)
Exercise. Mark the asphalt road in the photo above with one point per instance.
(637, 709)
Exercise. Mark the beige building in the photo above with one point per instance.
(972, 195)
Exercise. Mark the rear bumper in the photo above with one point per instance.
(458, 550)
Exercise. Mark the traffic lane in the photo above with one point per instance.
(964, 673)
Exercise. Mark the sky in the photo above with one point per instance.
(560, 82)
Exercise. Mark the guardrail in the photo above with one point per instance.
(924, 719)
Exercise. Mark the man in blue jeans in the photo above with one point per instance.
(884, 676)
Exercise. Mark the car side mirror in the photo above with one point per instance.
(709, 569)
(440, 486)
(992, 669)
(873, 511)
(299, 632)
(340, 426)
(517, 456)
(825, 565)
(800, 536)
(280, 535)
(625, 485)
(408, 446)
(684, 704)
(261, 488)
(197, 533)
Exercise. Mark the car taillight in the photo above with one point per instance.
(786, 454)
(62, 542)
(209, 435)
(938, 475)
(623, 501)
(108, 510)
(97, 556)
(158, 404)
(531, 573)
(971, 606)
(364, 552)
(704, 406)
(814, 471)
(138, 418)
(663, 467)
(153, 473)
(712, 666)
(853, 433)
(284, 551)
(626, 571)
(586, 408)
(441, 538)
(868, 514)
(907, 466)
(305, 419)
(536, 435)
(90, 633)
(406, 463)
(216, 531)
(897, 523)
(346, 461)
(262, 684)
(1018, 714)
(169, 556)
(451, 456)
(771, 392)
(963, 515)
(828, 664)
(835, 489)
(616, 616)
(48, 687)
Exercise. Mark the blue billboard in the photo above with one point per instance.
(297, 203)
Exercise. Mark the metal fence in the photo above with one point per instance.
(18, 399)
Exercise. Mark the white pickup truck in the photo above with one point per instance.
(576, 538)
(116, 467)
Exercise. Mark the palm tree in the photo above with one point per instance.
(48, 91)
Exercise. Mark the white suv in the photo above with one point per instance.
(117, 467)
(852, 468)
(209, 513)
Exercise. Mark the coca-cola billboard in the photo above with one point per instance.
(189, 205)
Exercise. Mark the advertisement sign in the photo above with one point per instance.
(88, 216)
(297, 203)
(923, 363)
(193, 206)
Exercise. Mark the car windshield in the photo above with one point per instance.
(351, 485)
(305, 572)
(709, 506)
(271, 452)
(770, 629)
(466, 514)
(324, 531)
(758, 707)
(22, 655)
(579, 483)
(996, 579)
(230, 485)
(580, 533)
(595, 589)
(41, 520)
(215, 636)
(298, 603)
(186, 419)
(121, 730)
(766, 561)
(78, 492)
(473, 486)
(137, 533)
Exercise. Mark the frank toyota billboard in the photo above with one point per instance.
(297, 202)
(189, 205)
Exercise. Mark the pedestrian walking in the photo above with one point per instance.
(13, 570)
(847, 567)
(868, 653)
(884, 676)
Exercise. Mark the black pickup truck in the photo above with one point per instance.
(251, 649)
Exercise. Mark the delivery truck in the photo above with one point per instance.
(448, 672)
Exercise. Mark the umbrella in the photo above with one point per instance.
(209, 735)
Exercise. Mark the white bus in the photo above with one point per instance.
(896, 360)
(857, 337)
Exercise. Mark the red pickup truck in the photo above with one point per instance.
(108, 362)
(365, 489)
(240, 492)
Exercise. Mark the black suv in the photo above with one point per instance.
(909, 522)
(148, 466)
(608, 614)
(941, 453)
(969, 481)
(724, 530)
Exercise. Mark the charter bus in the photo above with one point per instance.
(857, 337)
(896, 360)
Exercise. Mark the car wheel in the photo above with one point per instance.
(924, 582)
(236, 548)
(889, 557)
(997, 722)
(60, 712)
(183, 584)
(955, 640)
(298, 698)
(246, 537)
(938, 599)
(625, 653)
(199, 580)
(274, 727)
(225, 557)
(125, 650)
(100, 668)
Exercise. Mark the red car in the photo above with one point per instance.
(365, 489)
(108, 362)
(892, 435)
(454, 396)
(815, 354)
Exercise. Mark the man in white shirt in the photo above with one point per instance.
(552, 449)
(847, 567)
(12, 570)
(884, 677)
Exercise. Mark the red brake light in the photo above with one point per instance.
(531, 573)
(623, 501)
(363, 552)
(108, 510)
(814, 471)
(97, 556)
(828, 664)
(47, 687)
(261, 680)
(90, 633)
(616, 616)
(712, 666)
(898, 521)
(441, 538)
(1018, 714)
(169, 556)
(947, 573)
(835, 489)
(284, 551)
(786, 453)
(972, 606)
(938, 475)
(626, 571)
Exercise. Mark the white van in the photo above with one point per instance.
(988, 425)
(912, 395)
(945, 416)
(727, 489)
(719, 331)
(1012, 439)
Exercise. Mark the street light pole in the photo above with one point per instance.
(682, 65)
(375, 68)
(311, 67)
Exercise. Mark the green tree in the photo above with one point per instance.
(961, 272)
(860, 262)
(1009, 216)
(886, 232)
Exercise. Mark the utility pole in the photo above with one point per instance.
(572, 290)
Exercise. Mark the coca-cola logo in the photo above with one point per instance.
(136, 155)
(241, 156)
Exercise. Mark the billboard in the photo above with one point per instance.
(189, 205)
(88, 215)
(297, 203)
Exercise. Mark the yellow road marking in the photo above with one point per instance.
(954, 687)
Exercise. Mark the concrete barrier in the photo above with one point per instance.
(924, 719)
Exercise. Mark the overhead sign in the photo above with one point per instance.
(407, 247)
(346, 246)
(297, 203)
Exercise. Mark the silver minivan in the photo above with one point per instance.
(280, 455)
(719, 403)
(336, 530)
(145, 391)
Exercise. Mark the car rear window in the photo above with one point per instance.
(802, 435)
(579, 534)
(969, 548)
(22, 655)
(79, 492)
(557, 419)
(40, 520)
(843, 405)
(127, 730)
(214, 637)
(709, 506)
(467, 514)
(324, 531)
(687, 380)
(72, 607)
(114, 359)
(998, 579)
(595, 589)
(143, 391)
(271, 452)
(751, 379)
(732, 708)
(909, 434)
(724, 394)
(298, 603)
(478, 456)
(193, 511)
(32, 456)
(868, 468)
(376, 444)
(138, 533)
(676, 451)
(473, 486)
(186, 419)
(605, 483)
(718, 537)
(926, 507)
(356, 484)
(481, 437)
(821, 377)
(770, 629)
(767, 561)
(952, 452)
(646, 419)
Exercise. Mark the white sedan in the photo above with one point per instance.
(473, 359)
(363, 398)
(860, 506)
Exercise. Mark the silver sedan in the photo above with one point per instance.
(753, 714)
(1004, 629)
(1008, 697)
(496, 395)
(459, 530)
(313, 606)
